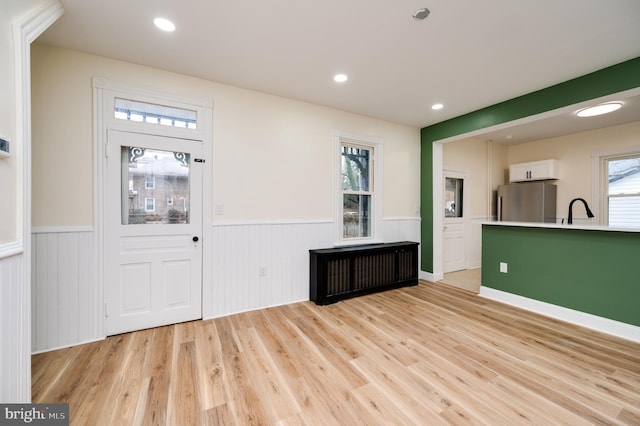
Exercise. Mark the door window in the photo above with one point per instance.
(142, 202)
(453, 188)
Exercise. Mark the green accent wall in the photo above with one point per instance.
(591, 271)
(426, 206)
(614, 79)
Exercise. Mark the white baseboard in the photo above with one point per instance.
(594, 322)
(428, 276)
(84, 342)
(210, 317)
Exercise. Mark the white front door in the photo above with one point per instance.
(455, 223)
(153, 259)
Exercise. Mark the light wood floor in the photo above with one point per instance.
(429, 354)
(467, 279)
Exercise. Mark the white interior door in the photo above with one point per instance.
(153, 258)
(454, 222)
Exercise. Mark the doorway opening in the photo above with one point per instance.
(455, 231)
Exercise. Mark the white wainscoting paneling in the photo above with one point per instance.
(401, 229)
(257, 265)
(15, 366)
(252, 266)
(64, 294)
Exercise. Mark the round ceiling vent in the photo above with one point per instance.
(421, 14)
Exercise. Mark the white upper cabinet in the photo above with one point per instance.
(535, 170)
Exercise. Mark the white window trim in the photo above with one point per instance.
(146, 204)
(599, 187)
(150, 183)
(376, 144)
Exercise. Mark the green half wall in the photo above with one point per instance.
(590, 271)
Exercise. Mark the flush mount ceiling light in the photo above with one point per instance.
(164, 24)
(340, 78)
(437, 106)
(599, 109)
(421, 14)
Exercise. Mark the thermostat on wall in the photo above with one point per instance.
(4, 148)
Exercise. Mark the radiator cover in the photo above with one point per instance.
(340, 273)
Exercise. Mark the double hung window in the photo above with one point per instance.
(623, 191)
(359, 190)
(150, 182)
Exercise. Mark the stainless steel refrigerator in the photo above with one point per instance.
(527, 202)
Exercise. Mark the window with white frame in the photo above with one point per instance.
(169, 201)
(126, 109)
(359, 213)
(622, 190)
(149, 182)
(150, 204)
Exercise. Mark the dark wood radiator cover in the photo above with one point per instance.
(340, 273)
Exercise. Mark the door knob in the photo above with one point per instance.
(195, 239)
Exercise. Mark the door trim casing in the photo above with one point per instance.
(25, 30)
(104, 91)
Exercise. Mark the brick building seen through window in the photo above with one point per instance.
(166, 200)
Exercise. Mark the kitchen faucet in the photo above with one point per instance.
(589, 214)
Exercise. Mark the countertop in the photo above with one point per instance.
(560, 226)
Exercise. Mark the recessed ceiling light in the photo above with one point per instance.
(599, 109)
(437, 106)
(164, 24)
(340, 78)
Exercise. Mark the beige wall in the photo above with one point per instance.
(574, 154)
(471, 155)
(273, 157)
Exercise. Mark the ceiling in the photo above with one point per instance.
(565, 122)
(467, 54)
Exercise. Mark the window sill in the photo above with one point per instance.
(357, 242)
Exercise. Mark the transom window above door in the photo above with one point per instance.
(125, 109)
